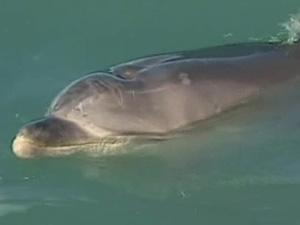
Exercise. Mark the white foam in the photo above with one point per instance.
(292, 28)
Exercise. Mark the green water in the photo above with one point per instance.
(243, 168)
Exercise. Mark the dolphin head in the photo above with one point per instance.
(49, 136)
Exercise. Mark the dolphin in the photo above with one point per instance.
(151, 97)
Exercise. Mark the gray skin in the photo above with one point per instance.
(154, 96)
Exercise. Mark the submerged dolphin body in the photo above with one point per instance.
(154, 96)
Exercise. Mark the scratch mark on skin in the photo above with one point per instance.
(80, 108)
(184, 77)
(120, 97)
(160, 89)
(132, 93)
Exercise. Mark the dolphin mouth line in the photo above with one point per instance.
(101, 145)
(38, 144)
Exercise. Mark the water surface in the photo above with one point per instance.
(241, 168)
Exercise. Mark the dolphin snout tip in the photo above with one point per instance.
(22, 147)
